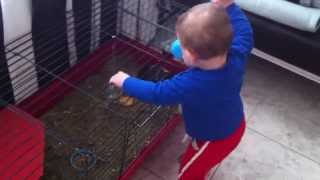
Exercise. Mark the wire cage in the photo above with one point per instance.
(58, 73)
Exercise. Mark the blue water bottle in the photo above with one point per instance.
(176, 50)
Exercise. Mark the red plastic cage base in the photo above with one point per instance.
(22, 143)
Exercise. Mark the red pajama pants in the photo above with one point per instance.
(197, 162)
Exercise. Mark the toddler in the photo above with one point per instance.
(215, 39)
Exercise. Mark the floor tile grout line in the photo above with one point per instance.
(260, 102)
(284, 146)
(216, 171)
(154, 173)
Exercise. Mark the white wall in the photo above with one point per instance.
(17, 18)
(128, 21)
(17, 22)
(71, 34)
(95, 25)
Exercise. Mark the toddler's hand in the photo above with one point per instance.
(224, 3)
(118, 79)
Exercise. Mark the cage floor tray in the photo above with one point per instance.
(113, 132)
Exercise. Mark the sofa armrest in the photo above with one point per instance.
(298, 48)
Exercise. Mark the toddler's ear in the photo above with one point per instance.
(190, 59)
(191, 54)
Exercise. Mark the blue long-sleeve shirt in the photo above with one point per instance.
(210, 99)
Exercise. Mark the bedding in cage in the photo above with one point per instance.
(59, 119)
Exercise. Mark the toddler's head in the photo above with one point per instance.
(205, 32)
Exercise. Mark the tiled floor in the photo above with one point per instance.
(282, 141)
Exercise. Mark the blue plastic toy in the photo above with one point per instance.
(176, 50)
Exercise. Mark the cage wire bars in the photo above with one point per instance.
(93, 131)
